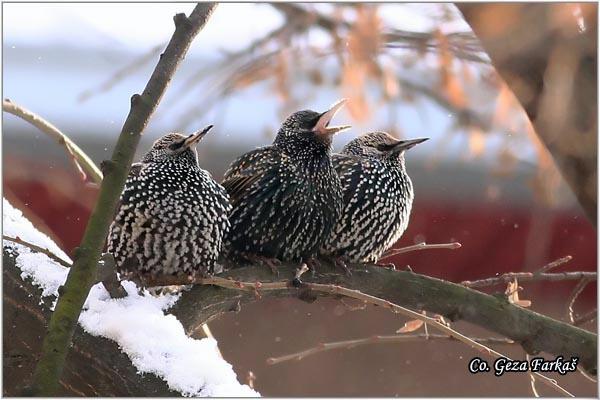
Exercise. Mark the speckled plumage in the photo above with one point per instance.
(286, 197)
(172, 216)
(378, 196)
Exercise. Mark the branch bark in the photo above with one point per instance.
(547, 55)
(82, 274)
(533, 331)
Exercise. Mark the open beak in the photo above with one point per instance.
(194, 138)
(322, 127)
(407, 144)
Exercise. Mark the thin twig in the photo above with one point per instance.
(587, 317)
(538, 275)
(376, 339)
(121, 73)
(531, 277)
(573, 297)
(37, 249)
(554, 264)
(420, 246)
(532, 378)
(83, 163)
(586, 375)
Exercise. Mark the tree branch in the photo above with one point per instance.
(83, 163)
(535, 332)
(83, 273)
(330, 289)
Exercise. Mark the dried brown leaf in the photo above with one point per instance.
(512, 294)
(476, 142)
(353, 83)
(282, 75)
(391, 89)
(410, 326)
(365, 38)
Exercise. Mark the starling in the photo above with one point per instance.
(172, 215)
(286, 197)
(378, 196)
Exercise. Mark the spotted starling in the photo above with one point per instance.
(286, 197)
(172, 215)
(378, 196)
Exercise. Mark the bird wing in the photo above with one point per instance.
(350, 169)
(245, 171)
(134, 172)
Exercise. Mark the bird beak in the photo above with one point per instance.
(194, 138)
(403, 145)
(322, 127)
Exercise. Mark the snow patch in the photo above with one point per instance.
(154, 341)
(43, 271)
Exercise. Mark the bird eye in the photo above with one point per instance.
(175, 145)
(315, 120)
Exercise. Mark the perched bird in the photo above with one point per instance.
(286, 197)
(172, 215)
(378, 196)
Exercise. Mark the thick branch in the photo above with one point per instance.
(551, 67)
(535, 332)
(83, 273)
(82, 162)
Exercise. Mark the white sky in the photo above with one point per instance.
(144, 25)
(128, 24)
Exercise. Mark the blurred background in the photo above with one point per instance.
(414, 69)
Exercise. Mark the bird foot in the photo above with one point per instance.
(341, 263)
(386, 265)
(272, 263)
(313, 263)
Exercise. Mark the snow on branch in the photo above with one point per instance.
(155, 342)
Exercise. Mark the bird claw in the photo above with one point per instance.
(313, 263)
(272, 263)
(340, 262)
(274, 266)
(386, 265)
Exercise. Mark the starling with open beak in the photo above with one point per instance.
(172, 216)
(378, 196)
(286, 197)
